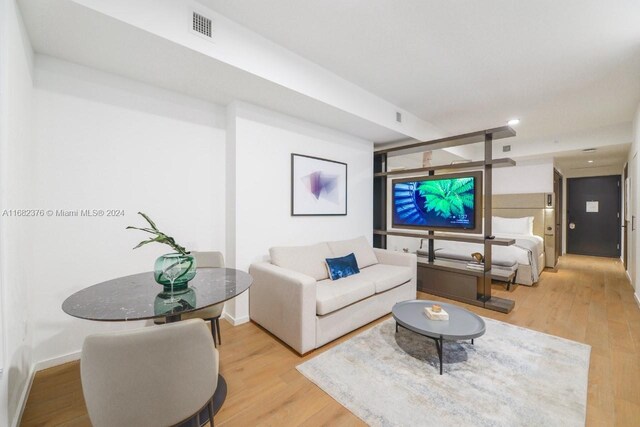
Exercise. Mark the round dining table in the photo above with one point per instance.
(139, 297)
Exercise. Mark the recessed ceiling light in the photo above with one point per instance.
(513, 122)
(589, 150)
(590, 161)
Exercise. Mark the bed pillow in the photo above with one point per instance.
(522, 225)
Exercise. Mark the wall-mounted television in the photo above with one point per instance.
(451, 202)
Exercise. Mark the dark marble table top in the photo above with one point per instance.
(139, 297)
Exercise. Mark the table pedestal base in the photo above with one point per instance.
(220, 395)
(218, 399)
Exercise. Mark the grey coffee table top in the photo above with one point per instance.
(462, 324)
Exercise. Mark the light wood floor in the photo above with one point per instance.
(586, 299)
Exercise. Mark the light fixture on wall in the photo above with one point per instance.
(513, 122)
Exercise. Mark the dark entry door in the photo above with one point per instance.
(558, 189)
(593, 214)
(625, 225)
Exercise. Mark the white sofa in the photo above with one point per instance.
(294, 299)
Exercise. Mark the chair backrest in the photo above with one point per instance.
(154, 376)
(209, 259)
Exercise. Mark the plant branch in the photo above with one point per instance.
(160, 237)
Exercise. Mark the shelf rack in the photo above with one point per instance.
(448, 236)
(498, 163)
(474, 286)
(450, 141)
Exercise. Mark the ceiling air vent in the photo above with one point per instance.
(201, 24)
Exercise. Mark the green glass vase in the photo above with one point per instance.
(182, 267)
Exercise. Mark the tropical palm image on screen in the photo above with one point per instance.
(436, 202)
(448, 197)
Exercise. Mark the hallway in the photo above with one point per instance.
(590, 300)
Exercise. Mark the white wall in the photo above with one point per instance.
(264, 143)
(16, 66)
(525, 177)
(103, 142)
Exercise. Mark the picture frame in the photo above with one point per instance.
(318, 186)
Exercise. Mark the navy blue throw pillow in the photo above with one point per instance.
(342, 267)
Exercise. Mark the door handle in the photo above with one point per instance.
(572, 226)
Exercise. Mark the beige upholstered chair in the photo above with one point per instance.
(151, 376)
(213, 313)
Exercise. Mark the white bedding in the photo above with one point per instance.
(526, 251)
(539, 242)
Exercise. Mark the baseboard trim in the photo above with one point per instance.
(39, 366)
(23, 399)
(626, 272)
(233, 320)
(55, 361)
(637, 298)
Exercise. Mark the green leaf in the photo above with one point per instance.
(148, 230)
(151, 223)
(144, 242)
(447, 196)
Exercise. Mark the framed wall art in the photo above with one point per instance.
(318, 186)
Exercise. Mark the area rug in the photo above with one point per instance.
(512, 376)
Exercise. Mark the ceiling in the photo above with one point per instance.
(569, 70)
(605, 157)
(559, 66)
(67, 30)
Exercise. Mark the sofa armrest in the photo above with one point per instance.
(395, 258)
(284, 303)
(401, 259)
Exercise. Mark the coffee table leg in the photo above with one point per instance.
(439, 347)
(471, 341)
(396, 327)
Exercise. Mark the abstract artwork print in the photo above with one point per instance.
(318, 186)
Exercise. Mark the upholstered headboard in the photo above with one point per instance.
(535, 205)
(521, 205)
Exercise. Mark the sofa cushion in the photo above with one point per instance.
(385, 277)
(360, 247)
(334, 295)
(309, 260)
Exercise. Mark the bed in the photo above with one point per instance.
(526, 257)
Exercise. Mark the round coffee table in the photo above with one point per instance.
(462, 324)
